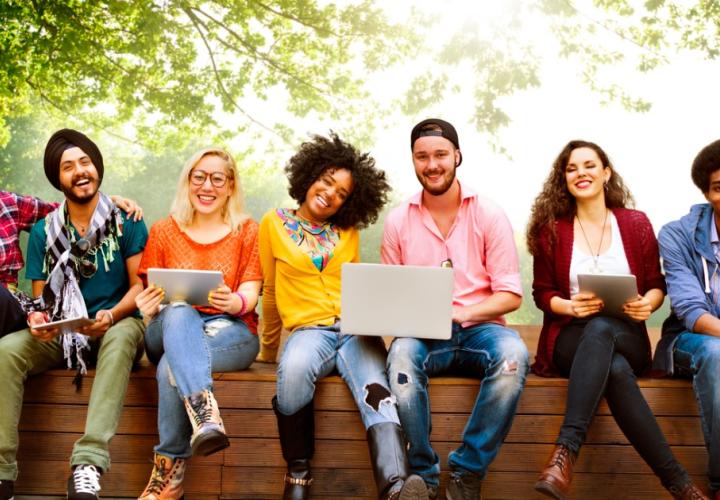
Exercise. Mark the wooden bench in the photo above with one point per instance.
(252, 467)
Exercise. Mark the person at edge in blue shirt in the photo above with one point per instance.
(690, 342)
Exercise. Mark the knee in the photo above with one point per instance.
(405, 363)
(708, 358)
(600, 328)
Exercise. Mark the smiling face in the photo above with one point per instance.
(585, 174)
(435, 160)
(79, 180)
(326, 195)
(207, 190)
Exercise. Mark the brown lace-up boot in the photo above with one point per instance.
(688, 492)
(555, 479)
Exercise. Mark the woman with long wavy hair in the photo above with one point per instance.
(581, 223)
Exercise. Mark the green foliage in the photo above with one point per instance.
(176, 65)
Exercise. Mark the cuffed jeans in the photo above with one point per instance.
(12, 317)
(697, 356)
(488, 351)
(22, 355)
(314, 352)
(602, 357)
(188, 346)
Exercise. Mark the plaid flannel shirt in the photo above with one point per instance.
(17, 213)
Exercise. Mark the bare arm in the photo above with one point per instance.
(498, 304)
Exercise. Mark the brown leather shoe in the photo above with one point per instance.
(689, 492)
(554, 480)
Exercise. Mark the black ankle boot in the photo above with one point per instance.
(390, 465)
(297, 440)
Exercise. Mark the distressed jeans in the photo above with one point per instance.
(314, 352)
(697, 356)
(602, 356)
(22, 355)
(188, 346)
(488, 351)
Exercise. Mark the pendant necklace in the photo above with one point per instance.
(595, 256)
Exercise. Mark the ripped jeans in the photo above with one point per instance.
(312, 353)
(488, 351)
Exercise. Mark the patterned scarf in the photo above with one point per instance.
(67, 259)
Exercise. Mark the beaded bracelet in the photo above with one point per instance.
(244, 303)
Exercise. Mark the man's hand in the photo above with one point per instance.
(40, 318)
(148, 302)
(103, 321)
(130, 206)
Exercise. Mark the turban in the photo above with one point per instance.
(65, 139)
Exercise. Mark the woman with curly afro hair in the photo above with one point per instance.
(338, 190)
(580, 224)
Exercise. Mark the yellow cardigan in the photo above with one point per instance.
(295, 292)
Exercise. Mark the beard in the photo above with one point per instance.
(83, 199)
(435, 189)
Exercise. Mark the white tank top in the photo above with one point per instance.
(613, 261)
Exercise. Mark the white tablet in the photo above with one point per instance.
(613, 289)
(185, 285)
(65, 325)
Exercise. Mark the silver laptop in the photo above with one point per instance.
(397, 301)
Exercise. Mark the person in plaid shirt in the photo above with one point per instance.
(19, 213)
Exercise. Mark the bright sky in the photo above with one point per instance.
(652, 151)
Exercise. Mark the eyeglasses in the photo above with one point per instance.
(217, 179)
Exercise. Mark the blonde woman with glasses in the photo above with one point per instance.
(207, 229)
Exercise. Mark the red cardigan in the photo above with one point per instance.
(551, 275)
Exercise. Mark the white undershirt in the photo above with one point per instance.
(613, 261)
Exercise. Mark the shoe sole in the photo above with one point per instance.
(414, 489)
(549, 490)
(209, 444)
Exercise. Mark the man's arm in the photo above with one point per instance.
(390, 252)
(105, 318)
(686, 292)
(498, 304)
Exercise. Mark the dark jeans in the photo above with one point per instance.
(12, 317)
(602, 356)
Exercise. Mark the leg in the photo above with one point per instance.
(231, 348)
(410, 363)
(588, 377)
(308, 355)
(20, 355)
(118, 348)
(698, 356)
(500, 356)
(361, 363)
(12, 317)
(638, 423)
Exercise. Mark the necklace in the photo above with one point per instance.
(596, 256)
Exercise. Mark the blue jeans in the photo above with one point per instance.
(488, 351)
(314, 352)
(697, 356)
(188, 346)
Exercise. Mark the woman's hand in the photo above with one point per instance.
(148, 302)
(225, 300)
(585, 304)
(639, 308)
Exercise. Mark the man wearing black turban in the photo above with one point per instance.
(82, 259)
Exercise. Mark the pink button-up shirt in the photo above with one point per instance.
(480, 245)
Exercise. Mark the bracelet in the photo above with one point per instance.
(112, 318)
(244, 303)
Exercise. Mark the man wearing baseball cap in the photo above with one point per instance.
(448, 224)
(82, 259)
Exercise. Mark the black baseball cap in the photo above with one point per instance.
(446, 130)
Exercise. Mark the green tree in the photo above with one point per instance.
(186, 66)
